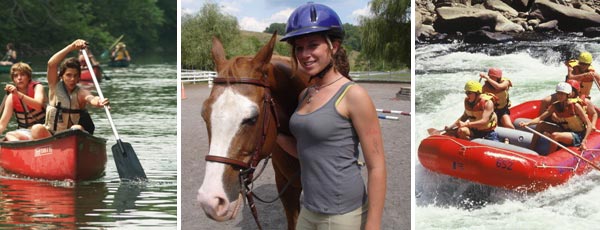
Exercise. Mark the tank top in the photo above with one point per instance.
(327, 146)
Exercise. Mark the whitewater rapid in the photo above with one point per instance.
(534, 68)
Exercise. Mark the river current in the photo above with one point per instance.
(534, 67)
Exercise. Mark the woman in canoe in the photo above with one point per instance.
(120, 53)
(574, 121)
(66, 109)
(26, 100)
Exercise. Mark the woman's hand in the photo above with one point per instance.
(78, 44)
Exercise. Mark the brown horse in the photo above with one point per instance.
(251, 101)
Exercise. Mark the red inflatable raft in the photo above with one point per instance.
(72, 154)
(507, 165)
(87, 76)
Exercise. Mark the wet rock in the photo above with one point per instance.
(547, 26)
(592, 32)
(569, 19)
(500, 6)
(451, 19)
(482, 36)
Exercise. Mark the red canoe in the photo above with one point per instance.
(506, 165)
(72, 154)
(87, 76)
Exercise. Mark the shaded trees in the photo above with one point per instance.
(386, 35)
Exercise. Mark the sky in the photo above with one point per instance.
(257, 15)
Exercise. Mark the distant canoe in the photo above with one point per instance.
(86, 76)
(120, 63)
(72, 154)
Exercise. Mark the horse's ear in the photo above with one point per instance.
(218, 53)
(264, 55)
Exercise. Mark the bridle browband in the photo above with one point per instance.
(246, 175)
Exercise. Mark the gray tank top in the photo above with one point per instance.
(328, 152)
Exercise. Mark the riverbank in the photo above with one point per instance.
(496, 21)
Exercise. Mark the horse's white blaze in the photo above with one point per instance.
(228, 112)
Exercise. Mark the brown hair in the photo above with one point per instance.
(72, 63)
(20, 67)
(339, 59)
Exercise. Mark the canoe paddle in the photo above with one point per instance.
(563, 147)
(128, 165)
(104, 54)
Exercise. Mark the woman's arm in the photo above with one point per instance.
(588, 124)
(364, 118)
(58, 57)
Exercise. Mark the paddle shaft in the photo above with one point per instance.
(112, 124)
(116, 41)
(563, 147)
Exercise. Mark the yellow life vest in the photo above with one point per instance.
(587, 82)
(475, 111)
(568, 118)
(503, 99)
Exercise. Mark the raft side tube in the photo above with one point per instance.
(515, 137)
(502, 145)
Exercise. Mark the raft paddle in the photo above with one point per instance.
(563, 147)
(128, 165)
(104, 54)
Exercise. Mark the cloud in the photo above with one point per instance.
(365, 11)
(253, 24)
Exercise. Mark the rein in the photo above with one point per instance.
(246, 170)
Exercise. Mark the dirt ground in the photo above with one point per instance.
(194, 146)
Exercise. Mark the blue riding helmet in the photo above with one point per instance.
(313, 18)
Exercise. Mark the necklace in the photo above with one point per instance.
(317, 88)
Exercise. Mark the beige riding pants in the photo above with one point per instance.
(354, 220)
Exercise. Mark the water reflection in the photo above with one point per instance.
(28, 203)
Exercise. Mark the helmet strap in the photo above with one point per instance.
(323, 72)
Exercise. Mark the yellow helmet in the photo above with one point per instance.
(473, 86)
(585, 58)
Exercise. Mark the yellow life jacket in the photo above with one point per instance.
(503, 98)
(568, 118)
(475, 111)
(587, 82)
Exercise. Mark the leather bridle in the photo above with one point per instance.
(247, 169)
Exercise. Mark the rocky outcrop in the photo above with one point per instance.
(502, 20)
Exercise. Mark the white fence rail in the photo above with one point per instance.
(194, 76)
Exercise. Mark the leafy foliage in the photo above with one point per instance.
(197, 32)
(386, 35)
(43, 27)
(279, 27)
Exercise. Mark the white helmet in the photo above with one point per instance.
(564, 88)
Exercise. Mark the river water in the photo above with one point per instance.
(535, 68)
(144, 110)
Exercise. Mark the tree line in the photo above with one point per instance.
(379, 42)
(38, 27)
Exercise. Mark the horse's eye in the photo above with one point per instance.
(250, 120)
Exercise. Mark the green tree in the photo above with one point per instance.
(197, 32)
(279, 27)
(386, 35)
(43, 27)
(352, 37)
